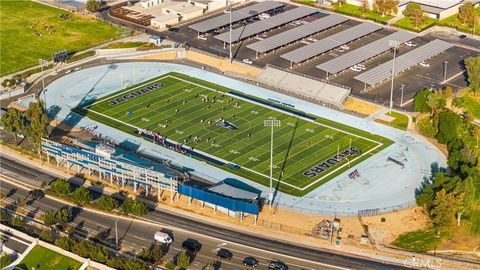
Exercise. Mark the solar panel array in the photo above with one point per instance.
(238, 15)
(403, 62)
(364, 53)
(266, 24)
(297, 33)
(324, 45)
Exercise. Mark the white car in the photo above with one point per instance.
(360, 66)
(355, 68)
(424, 64)
(202, 37)
(77, 68)
(68, 71)
(411, 44)
(344, 47)
(247, 61)
(339, 50)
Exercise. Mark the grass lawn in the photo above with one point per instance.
(418, 241)
(357, 11)
(475, 219)
(406, 23)
(31, 31)
(189, 111)
(453, 22)
(128, 44)
(43, 258)
(470, 103)
(400, 121)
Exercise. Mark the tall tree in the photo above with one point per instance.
(49, 218)
(13, 122)
(444, 209)
(473, 73)
(38, 122)
(466, 194)
(414, 12)
(63, 216)
(93, 5)
(81, 196)
(386, 6)
(420, 101)
(449, 127)
(466, 13)
(433, 101)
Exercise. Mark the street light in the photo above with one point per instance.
(393, 44)
(230, 35)
(401, 98)
(271, 123)
(445, 72)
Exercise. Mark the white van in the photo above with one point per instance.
(162, 238)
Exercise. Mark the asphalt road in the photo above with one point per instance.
(135, 235)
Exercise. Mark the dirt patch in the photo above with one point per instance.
(362, 107)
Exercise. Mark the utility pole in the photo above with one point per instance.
(271, 123)
(393, 44)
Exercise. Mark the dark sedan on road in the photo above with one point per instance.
(36, 194)
(225, 254)
(277, 265)
(250, 261)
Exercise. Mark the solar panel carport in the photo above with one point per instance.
(403, 62)
(238, 15)
(297, 33)
(364, 53)
(324, 45)
(258, 27)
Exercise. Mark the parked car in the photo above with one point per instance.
(462, 36)
(225, 254)
(191, 245)
(355, 68)
(360, 66)
(247, 61)
(424, 64)
(173, 29)
(411, 44)
(250, 261)
(344, 47)
(202, 37)
(277, 265)
(339, 50)
(36, 194)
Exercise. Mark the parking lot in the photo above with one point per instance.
(406, 83)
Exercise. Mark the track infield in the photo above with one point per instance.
(308, 150)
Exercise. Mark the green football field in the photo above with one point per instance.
(308, 151)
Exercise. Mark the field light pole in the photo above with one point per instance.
(393, 44)
(42, 62)
(271, 123)
(401, 98)
(445, 72)
(230, 34)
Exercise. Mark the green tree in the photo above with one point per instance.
(60, 187)
(93, 5)
(170, 265)
(117, 263)
(99, 254)
(63, 216)
(414, 12)
(386, 6)
(443, 211)
(18, 222)
(135, 265)
(46, 235)
(473, 72)
(13, 122)
(449, 126)
(134, 207)
(49, 218)
(82, 248)
(107, 203)
(433, 101)
(420, 101)
(183, 260)
(81, 196)
(65, 243)
(467, 194)
(466, 13)
(38, 122)
(5, 260)
(425, 197)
